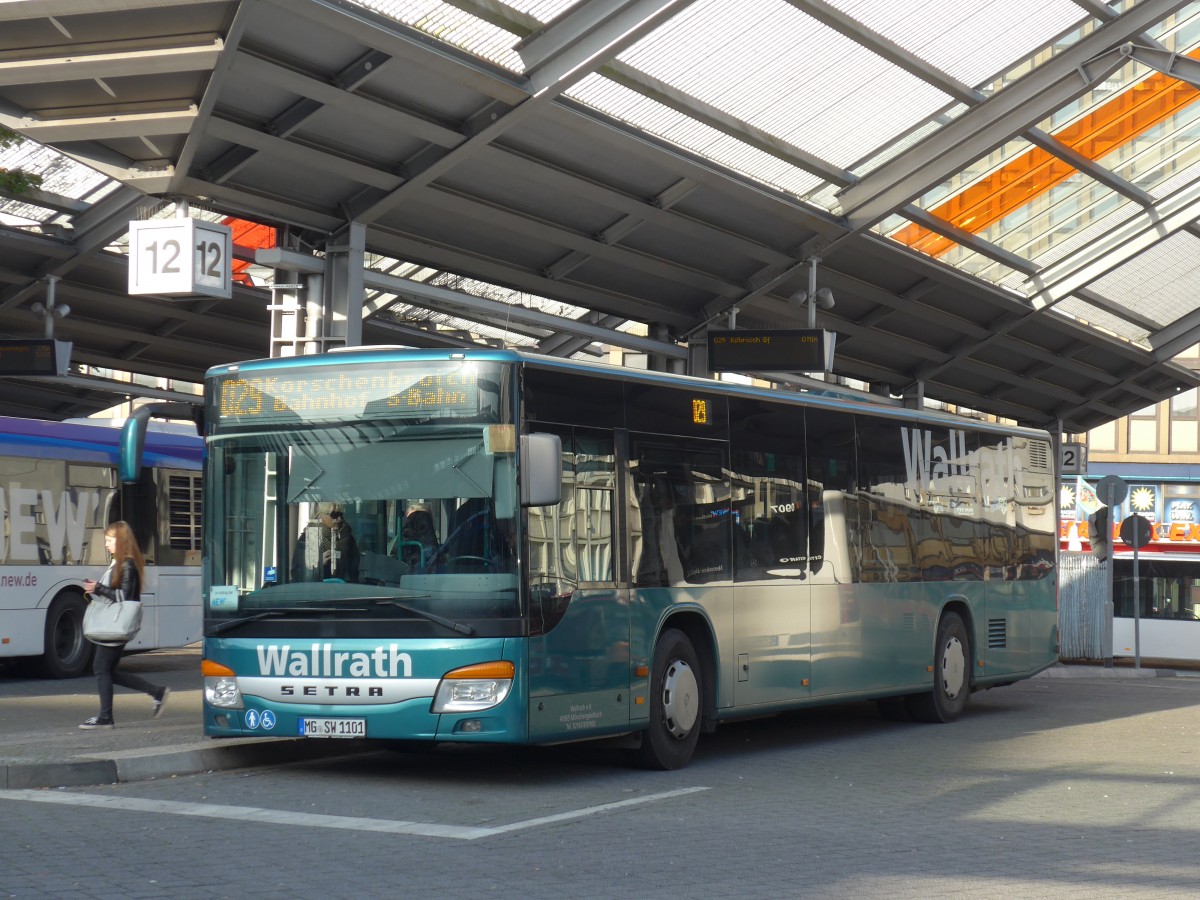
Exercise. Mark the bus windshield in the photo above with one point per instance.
(387, 519)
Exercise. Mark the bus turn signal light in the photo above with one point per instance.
(501, 668)
(209, 668)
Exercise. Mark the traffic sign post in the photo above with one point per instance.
(1110, 490)
(1136, 531)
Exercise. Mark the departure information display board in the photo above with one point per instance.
(771, 350)
(34, 356)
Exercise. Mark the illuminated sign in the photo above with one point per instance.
(348, 392)
(771, 350)
(34, 356)
(700, 414)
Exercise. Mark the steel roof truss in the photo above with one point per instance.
(1098, 257)
(118, 59)
(1006, 113)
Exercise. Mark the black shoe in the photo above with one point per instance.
(158, 703)
(97, 722)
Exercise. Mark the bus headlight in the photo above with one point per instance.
(220, 685)
(473, 688)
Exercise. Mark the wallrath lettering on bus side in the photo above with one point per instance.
(925, 462)
(322, 661)
(64, 517)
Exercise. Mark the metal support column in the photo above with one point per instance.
(288, 319)
(344, 292)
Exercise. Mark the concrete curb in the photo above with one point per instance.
(1062, 671)
(140, 765)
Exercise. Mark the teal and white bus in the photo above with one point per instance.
(490, 546)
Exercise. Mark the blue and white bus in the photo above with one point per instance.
(59, 489)
(489, 546)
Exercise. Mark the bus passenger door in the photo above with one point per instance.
(772, 656)
(578, 665)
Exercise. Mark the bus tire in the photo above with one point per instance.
(67, 654)
(676, 697)
(951, 674)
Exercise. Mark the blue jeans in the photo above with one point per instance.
(106, 667)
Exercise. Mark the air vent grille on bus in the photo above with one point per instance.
(1039, 456)
(997, 634)
(183, 511)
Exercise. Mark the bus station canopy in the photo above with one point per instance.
(1001, 195)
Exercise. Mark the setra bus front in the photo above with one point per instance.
(361, 533)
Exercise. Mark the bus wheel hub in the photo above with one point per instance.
(954, 668)
(680, 698)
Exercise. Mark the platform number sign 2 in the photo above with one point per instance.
(180, 258)
(1074, 459)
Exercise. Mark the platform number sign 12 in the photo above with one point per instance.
(180, 258)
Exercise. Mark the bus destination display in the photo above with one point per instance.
(373, 391)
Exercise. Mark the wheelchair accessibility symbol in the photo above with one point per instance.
(256, 719)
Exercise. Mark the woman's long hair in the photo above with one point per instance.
(126, 548)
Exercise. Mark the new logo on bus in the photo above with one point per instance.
(65, 522)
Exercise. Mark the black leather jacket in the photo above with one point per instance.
(130, 587)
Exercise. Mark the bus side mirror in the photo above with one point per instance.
(541, 469)
(133, 433)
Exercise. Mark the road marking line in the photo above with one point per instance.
(316, 820)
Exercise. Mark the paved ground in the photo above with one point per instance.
(1081, 784)
(41, 744)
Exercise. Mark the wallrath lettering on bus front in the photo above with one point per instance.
(926, 462)
(64, 518)
(322, 661)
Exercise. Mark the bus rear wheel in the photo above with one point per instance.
(676, 695)
(67, 652)
(951, 674)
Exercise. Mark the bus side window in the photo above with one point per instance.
(572, 543)
(768, 491)
(681, 506)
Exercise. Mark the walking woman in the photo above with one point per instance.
(125, 574)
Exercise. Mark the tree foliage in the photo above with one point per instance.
(15, 181)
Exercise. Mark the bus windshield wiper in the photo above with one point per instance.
(432, 617)
(278, 611)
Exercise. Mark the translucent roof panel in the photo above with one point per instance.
(1162, 284)
(1090, 314)
(970, 40)
(454, 26)
(657, 119)
(983, 193)
(913, 136)
(748, 59)
(543, 10)
(1041, 55)
(1070, 214)
(398, 308)
(60, 175)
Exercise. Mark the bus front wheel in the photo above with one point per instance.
(951, 674)
(676, 695)
(67, 652)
